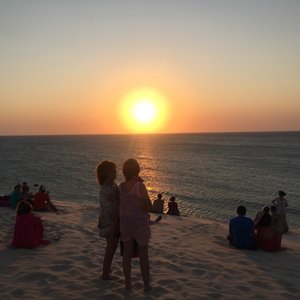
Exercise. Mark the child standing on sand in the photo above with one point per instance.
(109, 212)
(134, 221)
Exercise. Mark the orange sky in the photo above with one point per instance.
(67, 69)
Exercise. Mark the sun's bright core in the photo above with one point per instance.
(144, 110)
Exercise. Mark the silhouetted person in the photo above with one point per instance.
(173, 207)
(135, 206)
(241, 230)
(26, 195)
(268, 237)
(282, 204)
(28, 231)
(276, 219)
(158, 205)
(109, 212)
(15, 196)
(41, 200)
(265, 219)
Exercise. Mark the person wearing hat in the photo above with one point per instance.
(281, 203)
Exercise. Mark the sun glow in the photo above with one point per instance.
(144, 110)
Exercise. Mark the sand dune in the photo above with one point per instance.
(189, 257)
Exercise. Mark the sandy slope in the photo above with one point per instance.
(190, 259)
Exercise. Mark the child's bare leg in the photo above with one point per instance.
(127, 255)
(145, 269)
(111, 247)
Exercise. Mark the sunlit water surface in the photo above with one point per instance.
(209, 174)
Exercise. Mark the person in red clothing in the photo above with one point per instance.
(41, 200)
(268, 238)
(28, 231)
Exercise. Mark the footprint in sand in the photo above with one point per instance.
(18, 293)
(263, 285)
(243, 288)
(51, 278)
(62, 265)
(165, 282)
(199, 272)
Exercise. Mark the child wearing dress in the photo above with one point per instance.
(135, 205)
(28, 231)
(109, 212)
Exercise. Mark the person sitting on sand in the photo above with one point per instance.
(15, 196)
(258, 217)
(41, 200)
(173, 207)
(28, 231)
(135, 205)
(282, 204)
(268, 238)
(264, 219)
(241, 230)
(26, 195)
(158, 205)
(109, 212)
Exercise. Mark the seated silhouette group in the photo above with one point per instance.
(158, 206)
(28, 229)
(265, 232)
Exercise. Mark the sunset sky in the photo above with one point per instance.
(68, 67)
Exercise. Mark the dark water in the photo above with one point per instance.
(209, 174)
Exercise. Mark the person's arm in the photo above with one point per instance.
(48, 198)
(257, 218)
(146, 198)
(230, 228)
(108, 194)
(35, 219)
(252, 228)
(286, 203)
(274, 201)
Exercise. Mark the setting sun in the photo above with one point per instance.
(144, 110)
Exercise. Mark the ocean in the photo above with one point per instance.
(210, 174)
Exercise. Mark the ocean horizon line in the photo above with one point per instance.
(152, 134)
